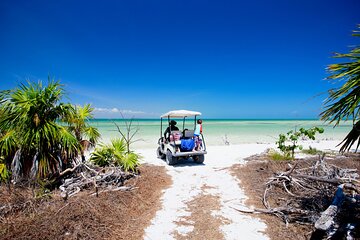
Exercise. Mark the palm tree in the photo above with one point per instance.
(32, 136)
(85, 134)
(343, 103)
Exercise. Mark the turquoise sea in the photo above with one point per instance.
(215, 131)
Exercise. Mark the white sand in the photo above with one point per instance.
(188, 180)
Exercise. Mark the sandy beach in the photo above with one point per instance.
(191, 181)
(184, 120)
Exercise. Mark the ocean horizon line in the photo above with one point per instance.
(215, 119)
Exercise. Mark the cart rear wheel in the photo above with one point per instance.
(170, 159)
(199, 158)
(160, 154)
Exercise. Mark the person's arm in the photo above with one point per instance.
(166, 132)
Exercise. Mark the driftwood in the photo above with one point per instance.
(335, 181)
(272, 210)
(300, 195)
(74, 180)
(326, 219)
(69, 170)
(122, 188)
(84, 176)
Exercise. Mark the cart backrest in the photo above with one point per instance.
(188, 133)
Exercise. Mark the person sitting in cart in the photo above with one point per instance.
(172, 127)
(197, 132)
(198, 128)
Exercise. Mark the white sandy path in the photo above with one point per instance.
(188, 180)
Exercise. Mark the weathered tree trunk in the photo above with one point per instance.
(326, 219)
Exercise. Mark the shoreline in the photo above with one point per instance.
(217, 132)
(324, 144)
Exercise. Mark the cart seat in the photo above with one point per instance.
(188, 133)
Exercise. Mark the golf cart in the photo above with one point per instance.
(180, 142)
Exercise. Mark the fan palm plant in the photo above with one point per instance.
(85, 134)
(115, 154)
(343, 103)
(32, 136)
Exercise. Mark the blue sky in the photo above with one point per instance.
(227, 59)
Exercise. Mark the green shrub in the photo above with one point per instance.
(129, 162)
(115, 154)
(102, 156)
(289, 143)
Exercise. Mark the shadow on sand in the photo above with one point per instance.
(187, 162)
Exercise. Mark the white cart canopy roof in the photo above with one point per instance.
(180, 114)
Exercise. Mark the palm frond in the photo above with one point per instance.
(102, 156)
(351, 138)
(8, 144)
(343, 103)
(4, 172)
(129, 162)
(68, 142)
(93, 134)
(116, 154)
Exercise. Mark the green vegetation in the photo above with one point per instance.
(33, 140)
(78, 124)
(39, 135)
(118, 152)
(288, 142)
(311, 151)
(4, 172)
(343, 102)
(276, 156)
(115, 154)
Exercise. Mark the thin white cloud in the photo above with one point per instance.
(116, 110)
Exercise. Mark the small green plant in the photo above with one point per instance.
(102, 156)
(129, 162)
(288, 142)
(276, 156)
(118, 152)
(115, 154)
(311, 151)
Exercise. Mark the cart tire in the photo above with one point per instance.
(170, 159)
(160, 154)
(199, 159)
